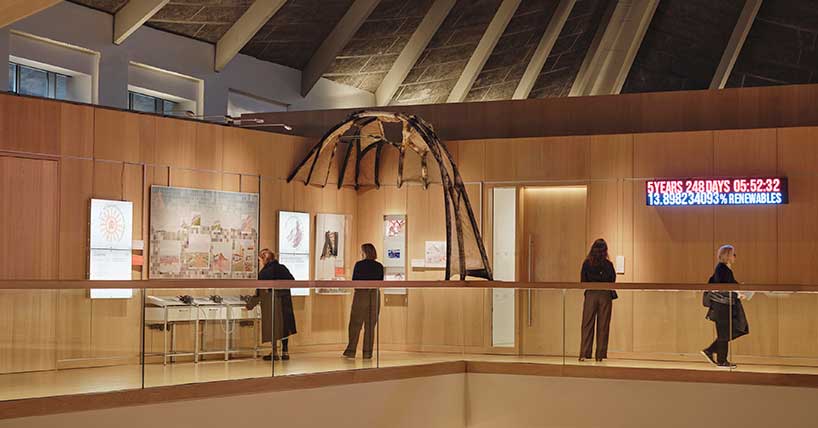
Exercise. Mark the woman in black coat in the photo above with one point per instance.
(277, 316)
(365, 303)
(724, 309)
(598, 304)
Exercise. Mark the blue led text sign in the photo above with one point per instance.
(717, 191)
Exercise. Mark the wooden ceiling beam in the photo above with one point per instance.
(607, 64)
(133, 15)
(549, 38)
(12, 11)
(481, 54)
(411, 52)
(736, 42)
(335, 42)
(244, 29)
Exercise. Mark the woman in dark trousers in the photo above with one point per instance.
(598, 303)
(365, 303)
(277, 316)
(724, 309)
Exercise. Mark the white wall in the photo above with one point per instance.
(472, 400)
(536, 401)
(91, 29)
(428, 402)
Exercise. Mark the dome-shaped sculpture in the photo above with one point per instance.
(358, 143)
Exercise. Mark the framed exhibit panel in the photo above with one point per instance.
(110, 245)
(294, 246)
(330, 241)
(394, 248)
(435, 254)
(203, 234)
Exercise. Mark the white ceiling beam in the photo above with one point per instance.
(244, 29)
(133, 15)
(12, 11)
(481, 54)
(549, 38)
(736, 42)
(335, 42)
(412, 51)
(607, 65)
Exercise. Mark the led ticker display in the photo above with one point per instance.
(717, 191)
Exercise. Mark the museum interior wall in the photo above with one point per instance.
(56, 156)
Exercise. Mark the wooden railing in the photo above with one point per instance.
(236, 283)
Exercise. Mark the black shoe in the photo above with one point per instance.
(727, 365)
(367, 356)
(267, 358)
(348, 354)
(709, 356)
(599, 359)
(285, 356)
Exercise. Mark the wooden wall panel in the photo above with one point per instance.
(29, 222)
(672, 244)
(124, 136)
(242, 152)
(231, 182)
(195, 179)
(30, 125)
(753, 230)
(76, 130)
(108, 180)
(797, 222)
(76, 187)
(176, 143)
(209, 147)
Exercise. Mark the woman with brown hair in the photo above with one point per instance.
(277, 315)
(365, 303)
(598, 303)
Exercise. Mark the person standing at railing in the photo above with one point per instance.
(725, 309)
(277, 315)
(598, 304)
(365, 303)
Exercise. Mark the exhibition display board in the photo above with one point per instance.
(111, 241)
(203, 234)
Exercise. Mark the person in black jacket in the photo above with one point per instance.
(598, 303)
(724, 309)
(365, 303)
(277, 315)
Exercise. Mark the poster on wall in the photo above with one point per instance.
(394, 245)
(435, 255)
(203, 234)
(111, 241)
(330, 241)
(294, 246)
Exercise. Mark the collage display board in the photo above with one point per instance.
(294, 246)
(111, 241)
(330, 241)
(394, 248)
(203, 234)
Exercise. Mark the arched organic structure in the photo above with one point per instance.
(369, 133)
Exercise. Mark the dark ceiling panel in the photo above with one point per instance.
(440, 65)
(296, 31)
(561, 67)
(110, 6)
(205, 20)
(781, 46)
(508, 61)
(683, 45)
(370, 54)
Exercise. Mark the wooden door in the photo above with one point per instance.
(554, 226)
(28, 250)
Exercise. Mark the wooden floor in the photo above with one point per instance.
(87, 380)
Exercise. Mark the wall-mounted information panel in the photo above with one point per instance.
(717, 191)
